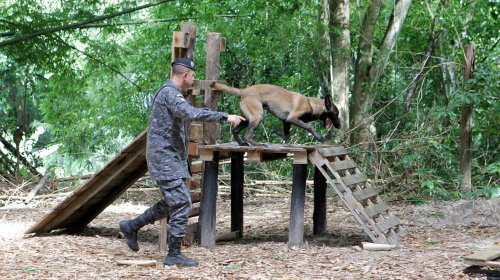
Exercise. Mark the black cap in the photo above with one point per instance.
(184, 61)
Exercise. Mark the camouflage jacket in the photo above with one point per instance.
(166, 152)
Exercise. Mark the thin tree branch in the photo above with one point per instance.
(46, 31)
(100, 62)
(428, 53)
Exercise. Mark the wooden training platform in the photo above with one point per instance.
(333, 166)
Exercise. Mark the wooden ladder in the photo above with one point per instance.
(358, 195)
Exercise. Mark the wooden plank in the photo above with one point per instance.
(206, 155)
(254, 156)
(365, 193)
(485, 255)
(332, 151)
(375, 209)
(196, 132)
(343, 164)
(196, 167)
(203, 84)
(195, 197)
(193, 149)
(109, 178)
(180, 39)
(393, 237)
(483, 263)
(388, 223)
(354, 179)
(195, 211)
(136, 262)
(300, 158)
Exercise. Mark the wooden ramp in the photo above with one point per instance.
(357, 194)
(80, 208)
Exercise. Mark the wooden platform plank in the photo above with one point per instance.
(354, 179)
(343, 164)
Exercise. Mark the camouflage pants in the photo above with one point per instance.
(178, 200)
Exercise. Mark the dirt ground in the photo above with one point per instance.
(440, 235)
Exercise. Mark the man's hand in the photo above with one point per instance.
(235, 119)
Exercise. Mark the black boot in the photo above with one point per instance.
(129, 228)
(174, 256)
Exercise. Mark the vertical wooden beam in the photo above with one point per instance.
(209, 202)
(189, 31)
(237, 179)
(465, 152)
(163, 235)
(319, 214)
(214, 41)
(296, 231)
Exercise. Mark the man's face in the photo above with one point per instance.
(188, 78)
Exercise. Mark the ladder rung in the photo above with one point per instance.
(375, 209)
(365, 193)
(388, 223)
(332, 151)
(392, 237)
(354, 179)
(343, 164)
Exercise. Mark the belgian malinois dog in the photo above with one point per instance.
(290, 107)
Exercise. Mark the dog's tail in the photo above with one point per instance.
(225, 88)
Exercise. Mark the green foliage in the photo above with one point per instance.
(89, 87)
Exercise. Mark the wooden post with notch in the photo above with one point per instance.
(183, 43)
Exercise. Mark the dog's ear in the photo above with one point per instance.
(328, 102)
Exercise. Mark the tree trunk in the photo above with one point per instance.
(323, 64)
(361, 100)
(367, 74)
(391, 35)
(341, 45)
(335, 49)
(466, 126)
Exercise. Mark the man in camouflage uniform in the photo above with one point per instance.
(167, 160)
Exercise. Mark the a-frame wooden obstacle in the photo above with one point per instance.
(333, 168)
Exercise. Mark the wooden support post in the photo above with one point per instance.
(212, 73)
(237, 179)
(209, 202)
(296, 231)
(183, 44)
(319, 214)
